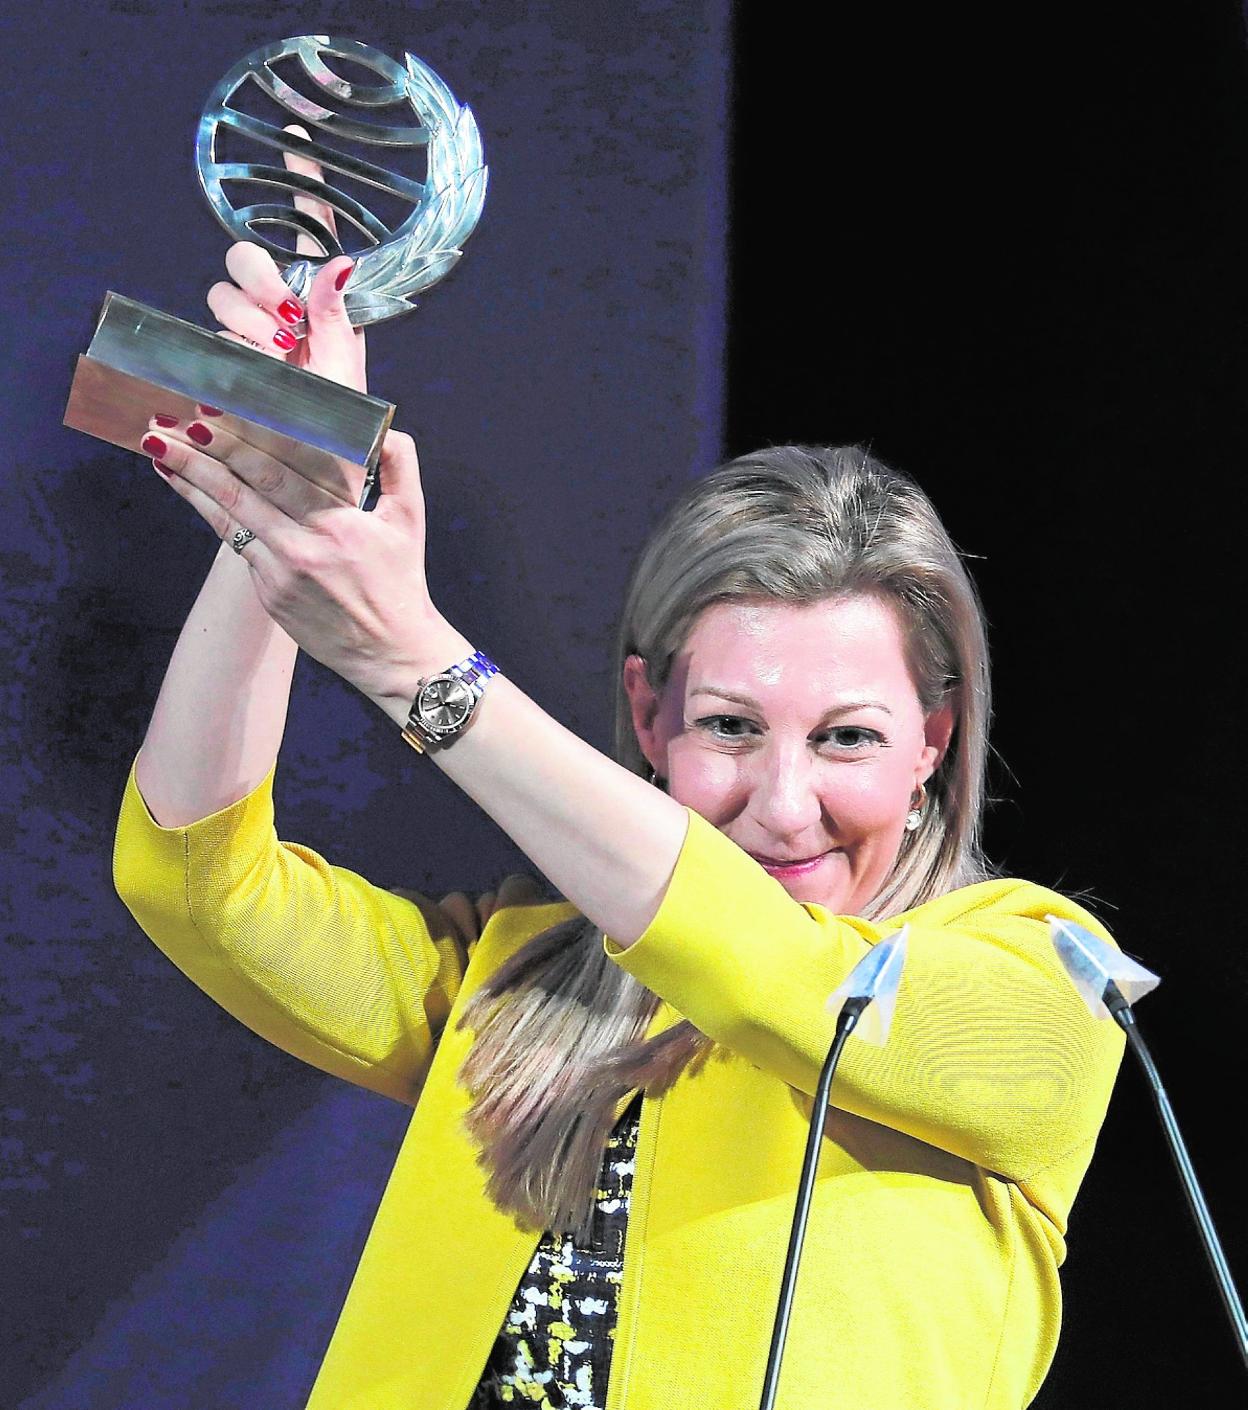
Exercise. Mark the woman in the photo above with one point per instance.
(804, 702)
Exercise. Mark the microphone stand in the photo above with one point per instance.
(845, 1022)
(1118, 1006)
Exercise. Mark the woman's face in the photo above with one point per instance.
(797, 731)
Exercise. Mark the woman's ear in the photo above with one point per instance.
(643, 701)
(937, 732)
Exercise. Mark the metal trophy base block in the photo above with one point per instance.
(142, 361)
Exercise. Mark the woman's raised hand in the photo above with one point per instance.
(255, 306)
(349, 587)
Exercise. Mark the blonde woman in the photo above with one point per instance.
(611, 1091)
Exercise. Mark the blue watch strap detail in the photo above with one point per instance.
(475, 671)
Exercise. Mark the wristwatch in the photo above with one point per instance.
(445, 703)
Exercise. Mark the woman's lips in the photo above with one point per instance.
(786, 869)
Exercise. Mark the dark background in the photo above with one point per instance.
(1005, 249)
(1008, 250)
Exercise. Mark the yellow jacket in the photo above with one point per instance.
(929, 1274)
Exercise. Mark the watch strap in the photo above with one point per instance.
(473, 672)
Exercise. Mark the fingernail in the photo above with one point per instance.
(291, 310)
(162, 418)
(153, 445)
(340, 281)
(205, 410)
(199, 433)
(285, 339)
(164, 469)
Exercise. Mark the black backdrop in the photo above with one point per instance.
(1005, 249)
(1008, 249)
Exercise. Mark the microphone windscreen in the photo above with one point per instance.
(875, 978)
(1091, 962)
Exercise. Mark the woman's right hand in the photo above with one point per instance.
(256, 306)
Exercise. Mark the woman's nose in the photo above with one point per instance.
(785, 798)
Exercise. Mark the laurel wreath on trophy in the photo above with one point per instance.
(391, 274)
(428, 244)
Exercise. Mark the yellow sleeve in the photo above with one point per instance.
(348, 977)
(992, 1055)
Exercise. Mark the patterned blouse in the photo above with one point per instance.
(554, 1351)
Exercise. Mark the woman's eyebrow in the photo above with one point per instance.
(843, 707)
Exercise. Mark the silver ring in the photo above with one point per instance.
(241, 539)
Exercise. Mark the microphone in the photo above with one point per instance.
(1110, 982)
(870, 989)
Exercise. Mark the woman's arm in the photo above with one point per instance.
(221, 712)
(351, 588)
(992, 1054)
(605, 838)
(345, 976)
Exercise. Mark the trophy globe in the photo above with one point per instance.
(393, 261)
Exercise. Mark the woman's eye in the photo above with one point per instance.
(852, 737)
(728, 726)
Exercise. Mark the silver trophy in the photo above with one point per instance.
(141, 359)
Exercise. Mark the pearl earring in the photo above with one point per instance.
(914, 817)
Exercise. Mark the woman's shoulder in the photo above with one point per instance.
(1001, 897)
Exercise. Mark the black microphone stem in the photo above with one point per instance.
(1125, 1019)
(845, 1022)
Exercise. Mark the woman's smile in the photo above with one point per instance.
(784, 870)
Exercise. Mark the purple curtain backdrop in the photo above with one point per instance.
(181, 1205)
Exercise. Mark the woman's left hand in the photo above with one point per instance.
(348, 586)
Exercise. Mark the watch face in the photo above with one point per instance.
(443, 704)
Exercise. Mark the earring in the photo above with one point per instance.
(914, 817)
(653, 777)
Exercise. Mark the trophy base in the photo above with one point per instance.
(142, 361)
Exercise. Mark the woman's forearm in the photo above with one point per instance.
(221, 712)
(606, 839)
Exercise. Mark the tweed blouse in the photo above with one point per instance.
(554, 1349)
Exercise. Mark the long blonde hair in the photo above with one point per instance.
(559, 1027)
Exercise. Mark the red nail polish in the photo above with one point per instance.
(205, 410)
(340, 282)
(285, 339)
(199, 433)
(162, 468)
(153, 445)
(291, 310)
(162, 418)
